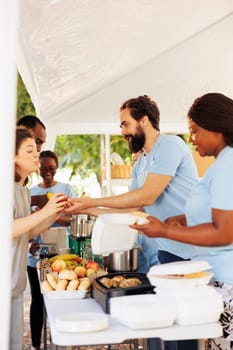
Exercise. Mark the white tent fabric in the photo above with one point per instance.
(80, 59)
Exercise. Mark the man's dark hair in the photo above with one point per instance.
(49, 154)
(141, 106)
(30, 122)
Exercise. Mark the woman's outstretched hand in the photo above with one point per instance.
(56, 204)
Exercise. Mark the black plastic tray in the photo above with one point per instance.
(102, 294)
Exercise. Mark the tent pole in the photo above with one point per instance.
(8, 43)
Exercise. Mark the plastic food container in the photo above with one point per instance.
(103, 294)
(180, 274)
(186, 284)
(143, 311)
(111, 233)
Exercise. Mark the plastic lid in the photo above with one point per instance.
(111, 233)
(179, 268)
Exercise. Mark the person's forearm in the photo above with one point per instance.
(100, 211)
(44, 226)
(29, 223)
(202, 235)
(132, 199)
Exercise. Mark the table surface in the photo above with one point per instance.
(116, 332)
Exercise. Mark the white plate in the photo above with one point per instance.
(123, 219)
(66, 294)
(81, 322)
(120, 219)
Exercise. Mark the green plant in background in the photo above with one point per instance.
(119, 145)
(24, 102)
(80, 153)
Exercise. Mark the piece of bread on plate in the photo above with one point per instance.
(67, 275)
(52, 279)
(45, 287)
(73, 285)
(61, 284)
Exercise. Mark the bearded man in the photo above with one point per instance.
(162, 176)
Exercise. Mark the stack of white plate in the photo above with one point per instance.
(81, 322)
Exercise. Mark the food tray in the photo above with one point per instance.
(102, 294)
(66, 294)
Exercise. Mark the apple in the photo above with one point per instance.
(81, 271)
(58, 265)
(92, 265)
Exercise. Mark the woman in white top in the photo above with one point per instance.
(25, 227)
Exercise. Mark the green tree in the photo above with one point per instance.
(24, 102)
(80, 153)
(119, 145)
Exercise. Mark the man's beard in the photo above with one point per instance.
(136, 142)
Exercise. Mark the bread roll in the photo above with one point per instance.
(85, 283)
(106, 282)
(73, 285)
(130, 282)
(61, 284)
(51, 278)
(118, 278)
(45, 287)
(67, 275)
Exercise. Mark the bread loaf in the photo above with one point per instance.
(73, 285)
(45, 287)
(61, 284)
(67, 275)
(51, 278)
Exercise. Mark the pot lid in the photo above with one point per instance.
(179, 268)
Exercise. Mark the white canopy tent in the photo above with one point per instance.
(81, 59)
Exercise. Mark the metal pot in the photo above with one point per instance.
(122, 261)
